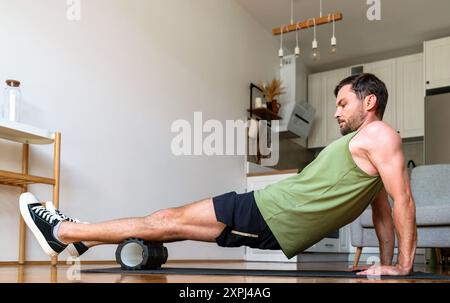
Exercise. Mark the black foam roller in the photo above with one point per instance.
(136, 254)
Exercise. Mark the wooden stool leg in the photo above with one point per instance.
(22, 227)
(357, 256)
(438, 255)
(445, 257)
(22, 239)
(56, 174)
(21, 274)
(53, 274)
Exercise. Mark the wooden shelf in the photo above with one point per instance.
(20, 180)
(26, 134)
(23, 133)
(264, 114)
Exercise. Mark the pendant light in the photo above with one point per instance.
(281, 51)
(297, 48)
(333, 39)
(315, 53)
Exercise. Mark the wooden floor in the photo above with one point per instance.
(66, 274)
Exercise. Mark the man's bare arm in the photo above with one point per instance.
(386, 154)
(384, 226)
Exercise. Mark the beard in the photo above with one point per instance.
(346, 129)
(352, 125)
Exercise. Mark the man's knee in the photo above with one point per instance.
(164, 217)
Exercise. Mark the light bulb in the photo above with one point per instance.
(333, 45)
(315, 53)
(297, 51)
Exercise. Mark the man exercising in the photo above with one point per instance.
(360, 168)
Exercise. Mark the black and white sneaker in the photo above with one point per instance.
(74, 249)
(77, 249)
(41, 221)
(51, 207)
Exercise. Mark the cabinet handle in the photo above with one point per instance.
(329, 245)
(428, 82)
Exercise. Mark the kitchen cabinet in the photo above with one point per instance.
(321, 96)
(386, 72)
(403, 77)
(410, 96)
(437, 63)
(257, 182)
(329, 82)
(317, 137)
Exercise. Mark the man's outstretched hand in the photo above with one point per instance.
(359, 268)
(385, 270)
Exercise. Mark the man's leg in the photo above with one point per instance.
(196, 221)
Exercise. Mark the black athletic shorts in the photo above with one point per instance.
(245, 224)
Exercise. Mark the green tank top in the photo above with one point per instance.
(328, 194)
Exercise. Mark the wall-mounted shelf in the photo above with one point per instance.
(264, 114)
(261, 112)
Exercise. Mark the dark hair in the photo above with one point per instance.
(364, 85)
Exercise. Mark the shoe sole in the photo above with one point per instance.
(34, 229)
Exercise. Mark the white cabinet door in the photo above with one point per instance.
(253, 254)
(437, 63)
(410, 96)
(287, 75)
(317, 134)
(329, 82)
(385, 71)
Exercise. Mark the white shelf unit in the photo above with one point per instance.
(26, 135)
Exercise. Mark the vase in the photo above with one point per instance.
(275, 106)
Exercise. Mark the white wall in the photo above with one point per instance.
(113, 83)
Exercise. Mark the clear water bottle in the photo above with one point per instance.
(12, 101)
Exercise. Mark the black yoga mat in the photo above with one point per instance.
(257, 272)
